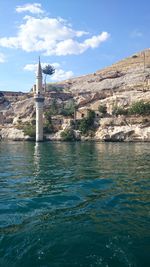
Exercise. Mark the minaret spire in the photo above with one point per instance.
(39, 72)
(39, 100)
(39, 78)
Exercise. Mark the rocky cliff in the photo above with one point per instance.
(119, 85)
(128, 79)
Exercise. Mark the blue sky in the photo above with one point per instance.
(76, 36)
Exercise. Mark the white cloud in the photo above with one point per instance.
(59, 74)
(70, 46)
(95, 41)
(33, 67)
(67, 47)
(34, 8)
(2, 58)
(30, 67)
(51, 36)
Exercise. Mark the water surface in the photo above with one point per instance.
(74, 204)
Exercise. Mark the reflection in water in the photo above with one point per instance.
(74, 204)
(37, 158)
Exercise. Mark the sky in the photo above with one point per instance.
(77, 37)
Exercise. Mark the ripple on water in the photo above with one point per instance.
(74, 204)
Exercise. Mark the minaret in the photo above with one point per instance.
(39, 101)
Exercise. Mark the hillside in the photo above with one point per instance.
(129, 78)
(126, 75)
(119, 85)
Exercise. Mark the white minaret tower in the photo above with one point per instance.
(39, 101)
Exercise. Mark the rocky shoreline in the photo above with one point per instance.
(133, 133)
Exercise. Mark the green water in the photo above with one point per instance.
(74, 204)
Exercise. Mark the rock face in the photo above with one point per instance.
(119, 85)
(11, 133)
(123, 133)
(125, 82)
(126, 75)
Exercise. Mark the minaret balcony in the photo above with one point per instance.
(38, 98)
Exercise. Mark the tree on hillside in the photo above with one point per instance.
(69, 108)
(87, 124)
(48, 70)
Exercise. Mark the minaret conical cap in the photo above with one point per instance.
(39, 70)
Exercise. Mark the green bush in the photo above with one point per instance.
(119, 111)
(102, 109)
(140, 108)
(47, 115)
(68, 109)
(48, 126)
(33, 122)
(83, 126)
(53, 109)
(29, 129)
(137, 108)
(67, 135)
(87, 124)
(91, 117)
(51, 87)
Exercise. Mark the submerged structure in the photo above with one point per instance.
(39, 101)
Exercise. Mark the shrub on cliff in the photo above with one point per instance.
(68, 109)
(87, 123)
(53, 109)
(119, 111)
(48, 126)
(67, 135)
(140, 108)
(83, 126)
(52, 87)
(29, 129)
(102, 109)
